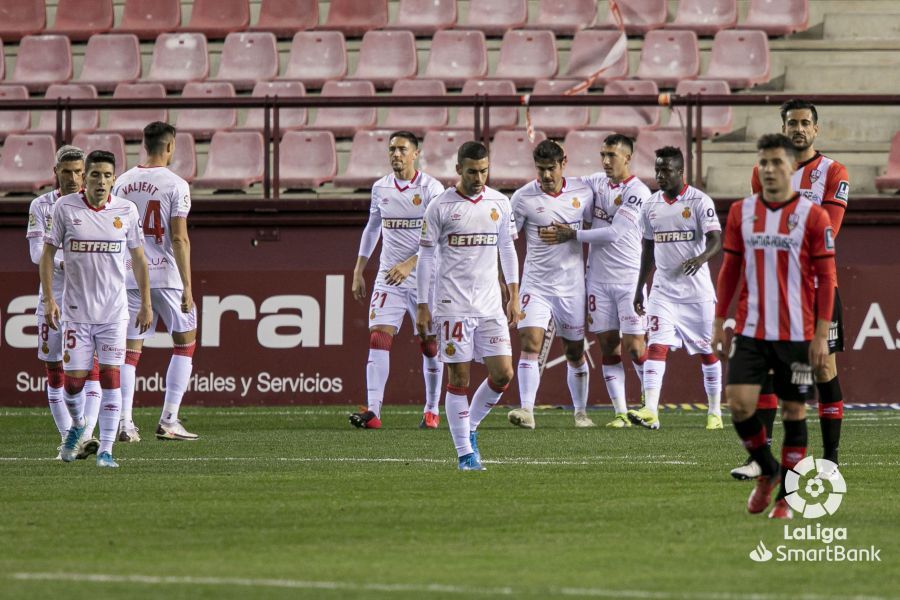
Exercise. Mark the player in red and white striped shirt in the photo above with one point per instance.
(778, 244)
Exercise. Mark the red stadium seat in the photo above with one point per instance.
(387, 56)
(82, 120)
(891, 179)
(353, 18)
(557, 121)
(716, 119)
(248, 58)
(526, 56)
(368, 160)
(21, 18)
(425, 17)
(202, 123)
(589, 49)
(639, 16)
(43, 60)
(111, 59)
(778, 17)
(179, 58)
(26, 164)
(217, 18)
(583, 151)
(306, 159)
(705, 17)
(111, 142)
(184, 160)
(565, 17)
(284, 18)
(503, 117)
(344, 122)
(13, 121)
(628, 119)
(512, 164)
(643, 162)
(740, 57)
(316, 57)
(149, 18)
(438, 154)
(413, 118)
(495, 17)
(131, 122)
(81, 19)
(288, 118)
(234, 162)
(457, 56)
(667, 57)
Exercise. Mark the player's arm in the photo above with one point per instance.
(142, 277)
(367, 243)
(821, 241)
(45, 268)
(729, 278)
(181, 248)
(431, 235)
(509, 265)
(708, 223)
(648, 263)
(837, 194)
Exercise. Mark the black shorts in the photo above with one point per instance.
(752, 359)
(836, 330)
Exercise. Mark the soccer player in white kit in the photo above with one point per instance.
(93, 228)
(471, 224)
(69, 173)
(398, 206)
(552, 281)
(681, 234)
(163, 200)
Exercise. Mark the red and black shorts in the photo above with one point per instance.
(752, 359)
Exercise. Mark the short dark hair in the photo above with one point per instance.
(671, 152)
(615, 139)
(550, 151)
(406, 135)
(798, 104)
(155, 136)
(771, 141)
(99, 156)
(472, 151)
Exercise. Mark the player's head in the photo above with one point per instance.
(670, 169)
(69, 169)
(616, 155)
(549, 161)
(800, 122)
(472, 166)
(100, 174)
(776, 155)
(403, 150)
(159, 141)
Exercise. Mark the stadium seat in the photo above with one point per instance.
(202, 123)
(284, 18)
(111, 59)
(13, 121)
(628, 119)
(147, 19)
(2, 61)
(425, 17)
(705, 17)
(344, 122)
(353, 18)
(526, 56)
(43, 60)
(891, 179)
(740, 57)
(716, 119)
(417, 119)
(590, 48)
(639, 16)
(217, 18)
(667, 57)
(438, 154)
(82, 120)
(583, 151)
(111, 142)
(248, 58)
(131, 122)
(26, 164)
(456, 57)
(184, 160)
(643, 162)
(502, 117)
(81, 19)
(368, 160)
(387, 56)
(288, 118)
(557, 121)
(21, 18)
(306, 159)
(512, 164)
(234, 162)
(496, 17)
(316, 57)
(179, 58)
(565, 17)
(778, 17)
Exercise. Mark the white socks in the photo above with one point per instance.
(109, 418)
(653, 378)
(614, 374)
(456, 405)
(177, 378)
(75, 406)
(577, 378)
(127, 377)
(486, 397)
(59, 410)
(433, 372)
(377, 370)
(92, 395)
(529, 376)
(712, 382)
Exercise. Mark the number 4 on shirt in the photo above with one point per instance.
(153, 223)
(457, 331)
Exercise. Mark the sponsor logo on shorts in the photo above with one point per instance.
(472, 239)
(662, 237)
(498, 340)
(95, 246)
(45, 348)
(66, 357)
(403, 223)
(801, 376)
(450, 350)
(108, 348)
(764, 241)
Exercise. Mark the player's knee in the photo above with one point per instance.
(499, 380)
(429, 347)
(74, 385)
(56, 377)
(575, 353)
(740, 409)
(94, 375)
(457, 380)
(380, 340)
(657, 352)
(793, 411)
(826, 373)
(109, 377)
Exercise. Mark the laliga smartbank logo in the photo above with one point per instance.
(815, 488)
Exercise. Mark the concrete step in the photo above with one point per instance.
(862, 26)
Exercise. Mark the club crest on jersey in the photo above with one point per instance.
(450, 350)
(792, 221)
(494, 214)
(814, 175)
(618, 201)
(117, 223)
(417, 200)
(576, 203)
(686, 213)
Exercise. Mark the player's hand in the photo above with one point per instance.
(818, 352)
(691, 266)
(359, 287)
(187, 300)
(513, 311)
(399, 273)
(557, 233)
(720, 343)
(423, 321)
(51, 313)
(639, 303)
(144, 317)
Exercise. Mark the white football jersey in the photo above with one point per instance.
(159, 195)
(400, 205)
(467, 233)
(618, 262)
(40, 220)
(552, 269)
(95, 244)
(678, 229)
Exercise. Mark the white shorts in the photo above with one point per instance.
(49, 341)
(677, 324)
(390, 303)
(566, 311)
(462, 339)
(611, 308)
(166, 303)
(81, 340)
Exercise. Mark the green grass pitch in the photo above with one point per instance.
(293, 503)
